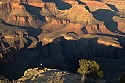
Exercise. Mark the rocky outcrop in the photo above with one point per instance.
(77, 31)
(109, 41)
(9, 44)
(31, 21)
(12, 38)
(121, 23)
(5, 5)
(72, 2)
(22, 17)
(53, 20)
(36, 4)
(118, 4)
(16, 6)
(46, 75)
(81, 16)
(5, 9)
(95, 5)
(49, 9)
(25, 1)
(96, 29)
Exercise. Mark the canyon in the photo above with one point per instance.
(63, 31)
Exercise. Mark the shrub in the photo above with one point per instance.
(55, 78)
(90, 68)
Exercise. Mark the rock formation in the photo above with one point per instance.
(66, 29)
(95, 5)
(22, 17)
(45, 74)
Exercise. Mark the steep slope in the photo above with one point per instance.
(95, 5)
(121, 23)
(22, 18)
(12, 39)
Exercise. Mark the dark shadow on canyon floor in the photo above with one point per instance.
(12, 28)
(64, 55)
(80, 2)
(37, 10)
(34, 32)
(60, 4)
(113, 7)
(106, 16)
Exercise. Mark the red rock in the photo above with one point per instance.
(97, 28)
(95, 5)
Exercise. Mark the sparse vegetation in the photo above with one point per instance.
(90, 68)
(3, 79)
(56, 78)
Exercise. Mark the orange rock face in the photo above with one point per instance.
(119, 4)
(5, 6)
(20, 17)
(37, 4)
(97, 28)
(16, 6)
(72, 2)
(121, 23)
(25, 1)
(95, 5)
(24, 21)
